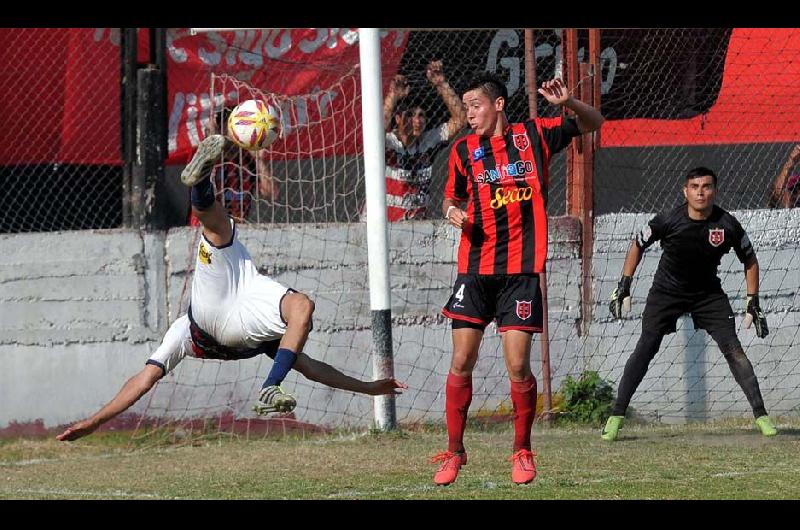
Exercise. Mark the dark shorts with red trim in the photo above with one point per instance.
(513, 300)
(206, 347)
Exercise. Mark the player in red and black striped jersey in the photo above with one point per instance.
(501, 172)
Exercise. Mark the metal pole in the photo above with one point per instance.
(128, 50)
(377, 224)
(586, 205)
(530, 73)
(597, 77)
(570, 69)
(544, 340)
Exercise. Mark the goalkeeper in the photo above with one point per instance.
(235, 313)
(694, 237)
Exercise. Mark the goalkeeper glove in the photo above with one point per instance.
(621, 297)
(755, 316)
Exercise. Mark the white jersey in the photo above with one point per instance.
(231, 301)
(176, 345)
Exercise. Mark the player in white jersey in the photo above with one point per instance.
(235, 313)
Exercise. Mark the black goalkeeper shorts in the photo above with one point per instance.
(710, 311)
(514, 300)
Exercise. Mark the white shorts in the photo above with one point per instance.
(231, 301)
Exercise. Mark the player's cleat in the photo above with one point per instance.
(208, 153)
(611, 430)
(448, 471)
(766, 426)
(523, 468)
(274, 399)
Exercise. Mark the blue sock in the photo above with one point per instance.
(203, 194)
(284, 360)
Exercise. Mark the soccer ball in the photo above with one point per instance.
(254, 125)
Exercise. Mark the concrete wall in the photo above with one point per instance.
(80, 312)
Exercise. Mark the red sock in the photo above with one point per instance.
(523, 398)
(458, 396)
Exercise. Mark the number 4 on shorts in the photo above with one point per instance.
(460, 293)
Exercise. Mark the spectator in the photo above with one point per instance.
(786, 192)
(410, 147)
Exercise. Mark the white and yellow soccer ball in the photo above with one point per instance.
(254, 125)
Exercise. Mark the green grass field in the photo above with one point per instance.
(728, 460)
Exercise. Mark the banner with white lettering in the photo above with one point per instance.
(60, 94)
(312, 72)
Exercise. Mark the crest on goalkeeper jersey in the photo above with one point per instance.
(254, 125)
(716, 236)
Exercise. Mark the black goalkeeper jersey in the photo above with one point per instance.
(693, 249)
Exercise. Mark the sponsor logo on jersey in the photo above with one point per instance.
(521, 141)
(503, 173)
(204, 254)
(716, 236)
(505, 196)
(478, 154)
(523, 309)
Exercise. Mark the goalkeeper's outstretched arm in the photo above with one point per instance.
(131, 391)
(326, 374)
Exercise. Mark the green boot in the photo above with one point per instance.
(766, 426)
(611, 430)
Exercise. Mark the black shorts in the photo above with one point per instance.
(514, 300)
(710, 311)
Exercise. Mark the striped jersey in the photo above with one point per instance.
(504, 178)
(408, 172)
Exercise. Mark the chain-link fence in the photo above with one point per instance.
(682, 98)
(674, 99)
(321, 182)
(60, 141)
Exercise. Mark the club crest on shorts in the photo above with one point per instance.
(204, 254)
(523, 309)
(521, 141)
(716, 236)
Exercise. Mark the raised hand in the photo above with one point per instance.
(435, 73)
(399, 87)
(554, 91)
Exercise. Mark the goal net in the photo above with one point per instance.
(673, 99)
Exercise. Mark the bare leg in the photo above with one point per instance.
(517, 351)
(466, 342)
(297, 310)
